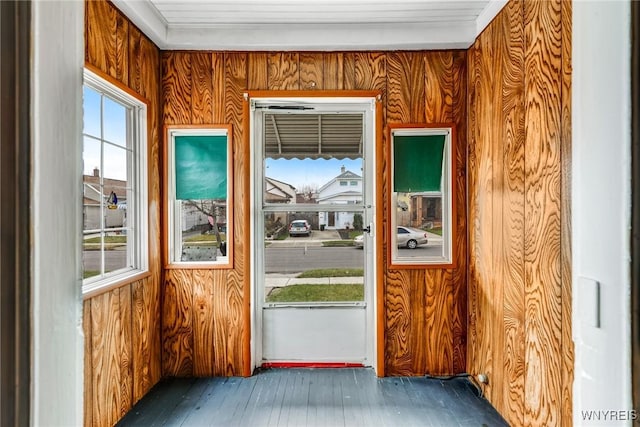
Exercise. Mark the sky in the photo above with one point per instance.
(114, 164)
(309, 172)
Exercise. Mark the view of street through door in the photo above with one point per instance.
(314, 253)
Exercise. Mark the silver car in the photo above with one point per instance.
(410, 237)
(406, 237)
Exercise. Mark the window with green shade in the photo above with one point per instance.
(422, 187)
(199, 191)
(420, 157)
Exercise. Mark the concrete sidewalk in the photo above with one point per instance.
(281, 280)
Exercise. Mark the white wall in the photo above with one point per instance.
(601, 206)
(57, 350)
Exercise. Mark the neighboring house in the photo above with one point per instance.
(426, 209)
(278, 192)
(346, 189)
(115, 212)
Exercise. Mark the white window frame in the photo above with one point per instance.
(447, 260)
(174, 206)
(137, 181)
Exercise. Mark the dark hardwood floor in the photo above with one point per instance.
(313, 397)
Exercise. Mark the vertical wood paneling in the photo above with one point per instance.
(203, 337)
(312, 71)
(219, 90)
(177, 323)
(333, 71)
(232, 317)
(136, 60)
(258, 71)
(349, 71)
(284, 71)
(436, 88)
(438, 83)
(146, 343)
(103, 38)
(122, 326)
(543, 303)
(496, 149)
(473, 285)
(459, 283)
(88, 364)
(176, 88)
(201, 88)
(567, 341)
(111, 329)
(403, 70)
(520, 302)
(122, 50)
(512, 257)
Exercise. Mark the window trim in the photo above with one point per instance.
(448, 191)
(169, 197)
(106, 85)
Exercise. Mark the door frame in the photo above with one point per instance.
(377, 306)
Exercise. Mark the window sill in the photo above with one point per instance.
(100, 288)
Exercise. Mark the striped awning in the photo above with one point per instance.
(313, 135)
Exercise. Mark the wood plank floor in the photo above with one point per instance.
(313, 397)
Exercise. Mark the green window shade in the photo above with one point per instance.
(417, 162)
(201, 167)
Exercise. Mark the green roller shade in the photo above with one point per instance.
(417, 162)
(201, 167)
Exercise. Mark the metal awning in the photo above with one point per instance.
(313, 135)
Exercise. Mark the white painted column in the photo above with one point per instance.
(601, 212)
(56, 216)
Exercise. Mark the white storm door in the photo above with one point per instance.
(313, 290)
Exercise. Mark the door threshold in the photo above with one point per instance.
(325, 365)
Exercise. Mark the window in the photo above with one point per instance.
(114, 181)
(343, 183)
(353, 183)
(199, 197)
(421, 196)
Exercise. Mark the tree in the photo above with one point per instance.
(211, 208)
(357, 221)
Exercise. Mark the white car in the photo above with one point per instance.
(299, 227)
(406, 237)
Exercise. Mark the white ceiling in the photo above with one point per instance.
(311, 24)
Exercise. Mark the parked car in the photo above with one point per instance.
(410, 237)
(299, 227)
(358, 241)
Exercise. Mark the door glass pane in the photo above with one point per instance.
(308, 261)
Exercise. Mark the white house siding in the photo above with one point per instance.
(336, 194)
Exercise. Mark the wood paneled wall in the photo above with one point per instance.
(122, 326)
(519, 115)
(204, 323)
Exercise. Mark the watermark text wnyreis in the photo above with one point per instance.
(610, 415)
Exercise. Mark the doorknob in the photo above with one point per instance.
(367, 229)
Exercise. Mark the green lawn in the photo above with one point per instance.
(332, 272)
(354, 233)
(317, 293)
(435, 230)
(107, 239)
(205, 238)
(337, 243)
(89, 273)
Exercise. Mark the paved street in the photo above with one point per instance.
(114, 260)
(300, 258)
